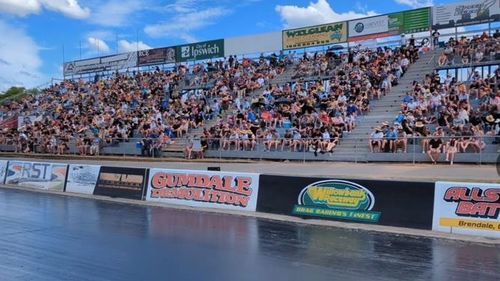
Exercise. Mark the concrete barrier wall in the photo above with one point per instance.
(392, 203)
(453, 207)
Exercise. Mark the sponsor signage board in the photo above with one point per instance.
(108, 63)
(337, 199)
(317, 35)
(9, 123)
(411, 21)
(466, 13)
(369, 28)
(82, 178)
(121, 182)
(39, 175)
(223, 190)
(156, 56)
(3, 170)
(467, 208)
(392, 203)
(200, 51)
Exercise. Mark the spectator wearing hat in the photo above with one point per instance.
(376, 139)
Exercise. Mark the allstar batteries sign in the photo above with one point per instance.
(467, 208)
(337, 199)
(224, 190)
(200, 51)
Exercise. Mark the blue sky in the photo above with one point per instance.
(35, 31)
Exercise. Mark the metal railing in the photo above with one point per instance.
(476, 149)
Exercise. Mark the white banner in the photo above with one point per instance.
(223, 190)
(36, 175)
(368, 26)
(466, 13)
(3, 168)
(467, 208)
(108, 63)
(82, 178)
(253, 44)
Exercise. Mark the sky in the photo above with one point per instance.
(38, 35)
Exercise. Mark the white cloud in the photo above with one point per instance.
(97, 45)
(20, 61)
(126, 46)
(20, 8)
(116, 13)
(181, 25)
(415, 3)
(316, 13)
(69, 8)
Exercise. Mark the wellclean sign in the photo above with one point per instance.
(467, 208)
(223, 190)
(200, 51)
(317, 35)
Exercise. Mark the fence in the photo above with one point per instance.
(472, 149)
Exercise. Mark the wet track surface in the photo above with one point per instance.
(52, 237)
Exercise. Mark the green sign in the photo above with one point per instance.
(337, 199)
(200, 51)
(410, 21)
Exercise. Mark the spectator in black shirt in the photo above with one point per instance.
(435, 144)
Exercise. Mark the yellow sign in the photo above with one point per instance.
(470, 224)
(317, 35)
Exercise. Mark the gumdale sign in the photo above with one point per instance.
(236, 185)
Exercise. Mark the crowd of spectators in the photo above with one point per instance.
(147, 105)
(466, 50)
(446, 116)
(313, 116)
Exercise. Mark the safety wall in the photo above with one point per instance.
(222, 190)
(467, 208)
(392, 203)
(39, 175)
(260, 43)
(452, 207)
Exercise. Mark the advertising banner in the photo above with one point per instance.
(108, 63)
(156, 56)
(369, 28)
(200, 51)
(467, 208)
(403, 204)
(27, 120)
(223, 190)
(121, 182)
(82, 178)
(466, 13)
(9, 123)
(3, 170)
(410, 21)
(253, 44)
(39, 175)
(318, 35)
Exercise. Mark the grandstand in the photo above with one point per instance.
(333, 100)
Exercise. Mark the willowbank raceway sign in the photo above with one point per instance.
(317, 35)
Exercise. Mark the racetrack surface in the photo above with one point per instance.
(53, 237)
